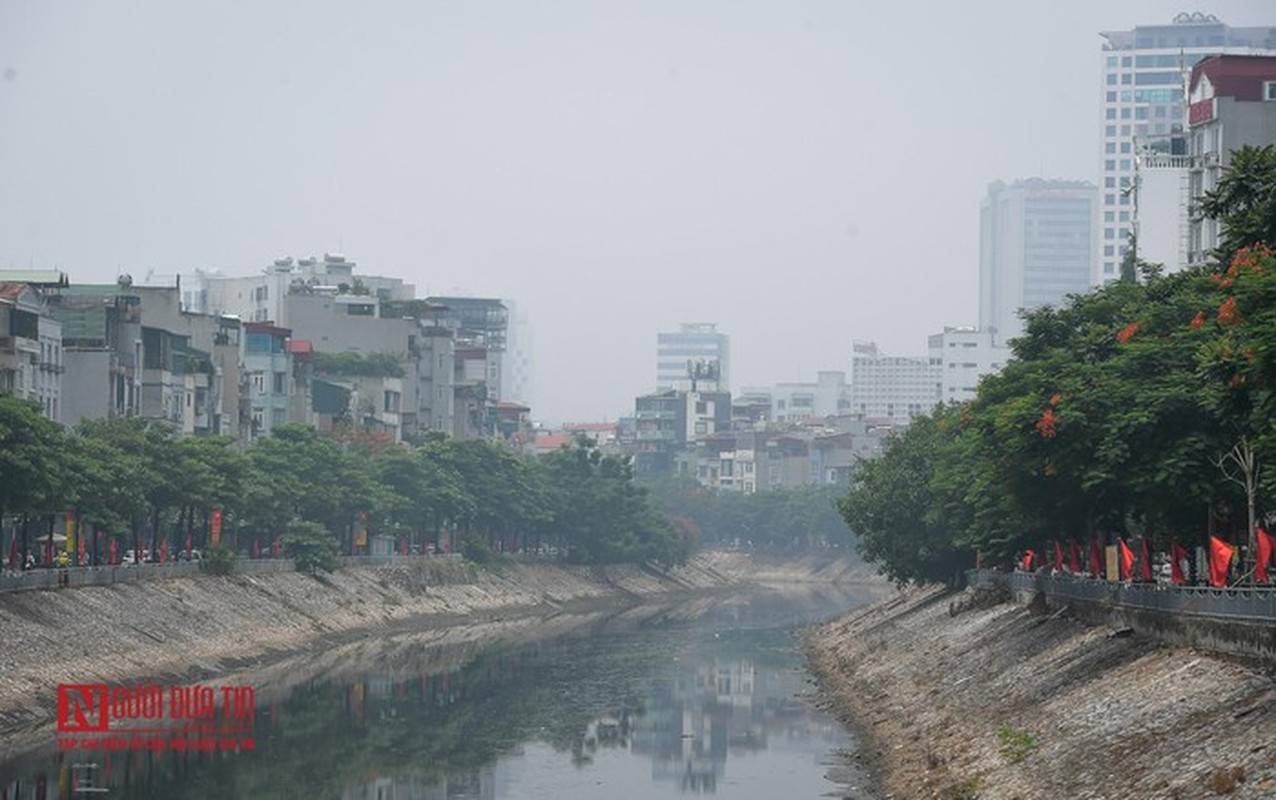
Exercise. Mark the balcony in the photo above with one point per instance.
(655, 436)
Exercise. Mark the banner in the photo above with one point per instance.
(1178, 558)
(1058, 556)
(1265, 542)
(1221, 554)
(215, 527)
(1145, 560)
(1127, 561)
(1074, 557)
(1026, 561)
(70, 533)
(1096, 558)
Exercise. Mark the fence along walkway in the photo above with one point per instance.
(1240, 603)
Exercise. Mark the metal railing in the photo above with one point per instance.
(1246, 603)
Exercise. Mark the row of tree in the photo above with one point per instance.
(795, 519)
(140, 483)
(1143, 407)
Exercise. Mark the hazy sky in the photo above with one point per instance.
(802, 173)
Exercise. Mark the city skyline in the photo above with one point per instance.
(614, 171)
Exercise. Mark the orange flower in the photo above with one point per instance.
(1127, 333)
(1197, 321)
(1045, 425)
(1055, 399)
(1228, 313)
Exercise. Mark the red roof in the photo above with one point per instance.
(552, 441)
(12, 290)
(1240, 77)
(301, 347)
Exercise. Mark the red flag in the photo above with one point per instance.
(1127, 561)
(1220, 559)
(1058, 557)
(164, 551)
(113, 551)
(1177, 556)
(1265, 544)
(1145, 562)
(1026, 561)
(1074, 556)
(403, 546)
(1096, 558)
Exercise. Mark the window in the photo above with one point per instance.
(1112, 79)
(1109, 216)
(258, 381)
(1110, 97)
(1141, 112)
(1125, 113)
(1109, 130)
(1109, 199)
(1125, 165)
(1160, 111)
(703, 408)
(1127, 78)
(1109, 113)
(280, 384)
(1109, 148)
(1108, 268)
(1112, 61)
(1109, 234)
(1125, 130)
(1269, 90)
(1109, 165)
(1125, 216)
(1125, 146)
(1125, 61)
(1108, 250)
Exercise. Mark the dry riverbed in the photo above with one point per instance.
(995, 702)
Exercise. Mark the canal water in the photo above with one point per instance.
(707, 698)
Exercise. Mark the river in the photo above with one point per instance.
(702, 698)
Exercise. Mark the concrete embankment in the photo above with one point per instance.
(964, 696)
(198, 627)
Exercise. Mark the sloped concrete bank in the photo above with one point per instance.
(195, 628)
(971, 696)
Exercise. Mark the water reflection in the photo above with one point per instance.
(697, 699)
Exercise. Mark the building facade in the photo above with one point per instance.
(1036, 247)
(1144, 75)
(963, 356)
(696, 353)
(31, 355)
(1233, 103)
(894, 388)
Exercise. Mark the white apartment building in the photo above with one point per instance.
(1232, 103)
(896, 388)
(963, 356)
(695, 346)
(1036, 247)
(1144, 76)
(31, 362)
(828, 396)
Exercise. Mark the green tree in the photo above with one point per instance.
(1244, 201)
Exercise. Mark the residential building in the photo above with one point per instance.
(1232, 103)
(31, 351)
(479, 327)
(695, 357)
(1036, 247)
(260, 297)
(268, 372)
(795, 402)
(893, 388)
(1144, 73)
(963, 356)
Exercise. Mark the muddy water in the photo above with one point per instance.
(699, 699)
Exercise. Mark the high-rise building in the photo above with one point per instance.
(1144, 75)
(964, 355)
(695, 352)
(1036, 247)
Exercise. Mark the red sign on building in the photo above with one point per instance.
(1200, 111)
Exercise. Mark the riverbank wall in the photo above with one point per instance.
(970, 695)
(196, 627)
